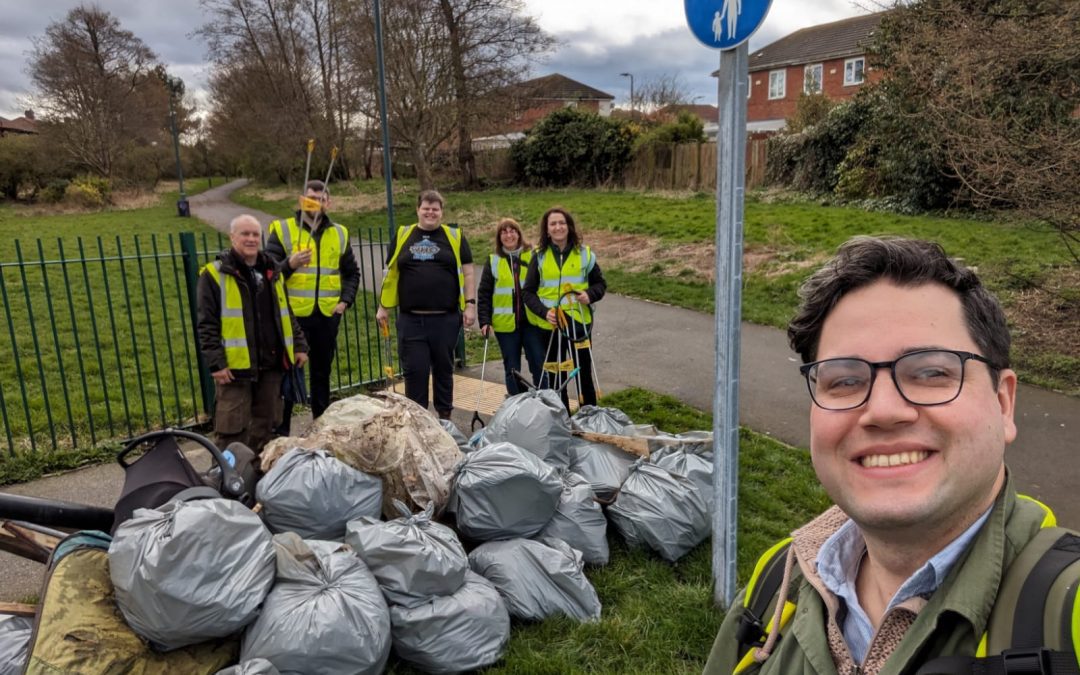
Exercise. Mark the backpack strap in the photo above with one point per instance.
(763, 588)
(1035, 625)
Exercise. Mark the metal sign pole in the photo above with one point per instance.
(388, 169)
(730, 185)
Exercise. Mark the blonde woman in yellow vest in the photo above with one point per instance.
(501, 309)
(248, 337)
(562, 262)
(430, 279)
(322, 278)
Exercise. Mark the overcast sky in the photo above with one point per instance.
(599, 39)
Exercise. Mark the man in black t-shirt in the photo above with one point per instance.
(430, 279)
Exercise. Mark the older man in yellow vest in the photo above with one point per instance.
(322, 277)
(248, 337)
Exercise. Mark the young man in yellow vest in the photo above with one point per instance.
(322, 277)
(430, 278)
(248, 337)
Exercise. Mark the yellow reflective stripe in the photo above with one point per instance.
(980, 651)
(760, 568)
(1075, 627)
(748, 658)
(1049, 519)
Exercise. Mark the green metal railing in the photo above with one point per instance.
(99, 337)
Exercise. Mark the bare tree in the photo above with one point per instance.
(661, 91)
(97, 89)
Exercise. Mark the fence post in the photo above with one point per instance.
(191, 275)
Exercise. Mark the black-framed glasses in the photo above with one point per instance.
(925, 377)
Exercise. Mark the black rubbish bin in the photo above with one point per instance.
(183, 209)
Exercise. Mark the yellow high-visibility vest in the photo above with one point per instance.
(554, 279)
(389, 295)
(320, 280)
(503, 319)
(233, 331)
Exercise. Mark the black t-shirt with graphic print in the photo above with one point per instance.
(427, 271)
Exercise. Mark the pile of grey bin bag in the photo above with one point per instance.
(319, 583)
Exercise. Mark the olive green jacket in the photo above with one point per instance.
(950, 622)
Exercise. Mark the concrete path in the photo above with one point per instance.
(669, 350)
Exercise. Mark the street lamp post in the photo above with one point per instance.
(631, 76)
(176, 88)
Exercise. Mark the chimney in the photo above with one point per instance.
(29, 114)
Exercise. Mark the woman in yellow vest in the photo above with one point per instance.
(563, 275)
(502, 311)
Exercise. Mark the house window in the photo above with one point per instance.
(812, 79)
(853, 71)
(777, 84)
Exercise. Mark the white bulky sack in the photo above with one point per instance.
(313, 494)
(537, 579)
(536, 421)
(388, 436)
(660, 510)
(453, 633)
(579, 521)
(326, 614)
(502, 492)
(191, 571)
(413, 558)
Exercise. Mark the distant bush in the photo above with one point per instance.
(686, 128)
(88, 191)
(571, 147)
(53, 191)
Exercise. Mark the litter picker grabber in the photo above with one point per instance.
(384, 328)
(586, 344)
(480, 392)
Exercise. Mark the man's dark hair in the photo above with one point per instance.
(431, 197)
(317, 186)
(861, 261)
(572, 238)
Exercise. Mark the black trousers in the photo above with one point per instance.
(562, 348)
(321, 333)
(426, 348)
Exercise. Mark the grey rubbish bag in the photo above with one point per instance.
(501, 492)
(579, 521)
(15, 642)
(455, 433)
(536, 421)
(312, 493)
(600, 420)
(191, 571)
(537, 579)
(605, 466)
(413, 558)
(660, 510)
(252, 667)
(453, 633)
(693, 466)
(326, 613)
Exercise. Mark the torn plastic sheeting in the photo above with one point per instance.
(193, 571)
(660, 510)
(537, 579)
(313, 494)
(536, 421)
(502, 491)
(326, 614)
(453, 633)
(413, 558)
(579, 521)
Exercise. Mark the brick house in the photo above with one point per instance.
(829, 58)
(19, 125)
(532, 100)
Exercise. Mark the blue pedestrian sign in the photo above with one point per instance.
(725, 24)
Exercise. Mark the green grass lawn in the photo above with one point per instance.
(784, 239)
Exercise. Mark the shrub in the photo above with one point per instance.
(54, 190)
(88, 191)
(571, 147)
(686, 128)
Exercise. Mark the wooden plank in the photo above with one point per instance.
(18, 609)
(634, 445)
(23, 541)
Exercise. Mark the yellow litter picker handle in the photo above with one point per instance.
(311, 145)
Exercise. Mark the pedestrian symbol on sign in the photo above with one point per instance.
(724, 24)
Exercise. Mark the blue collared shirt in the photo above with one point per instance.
(838, 565)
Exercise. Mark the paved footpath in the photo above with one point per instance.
(668, 350)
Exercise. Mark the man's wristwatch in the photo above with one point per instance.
(470, 301)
